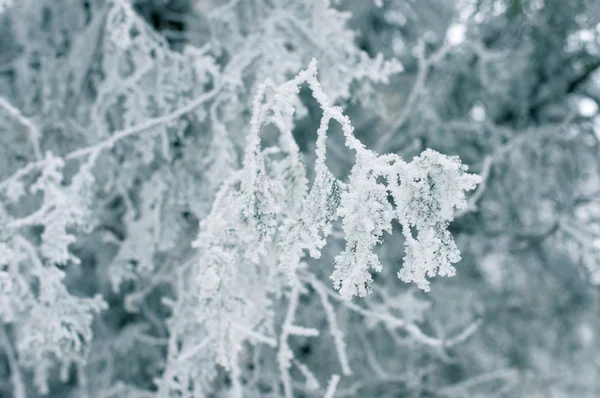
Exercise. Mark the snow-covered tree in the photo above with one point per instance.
(192, 193)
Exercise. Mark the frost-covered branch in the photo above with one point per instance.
(501, 152)
(94, 150)
(32, 128)
(424, 65)
(18, 383)
(412, 329)
(332, 386)
(266, 215)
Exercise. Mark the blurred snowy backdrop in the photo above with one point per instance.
(190, 206)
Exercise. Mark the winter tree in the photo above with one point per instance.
(225, 198)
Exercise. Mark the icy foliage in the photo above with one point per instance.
(264, 217)
(186, 211)
(49, 323)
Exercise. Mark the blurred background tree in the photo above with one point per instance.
(510, 86)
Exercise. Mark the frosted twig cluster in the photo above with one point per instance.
(266, 215)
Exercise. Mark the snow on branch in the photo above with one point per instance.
(265, 216)
(422, 195)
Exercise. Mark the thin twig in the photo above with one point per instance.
(491, 160)
(413, 330)
(15, 372)
(34, 131)
(425, 65)
(333, 383)
(94, 150)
